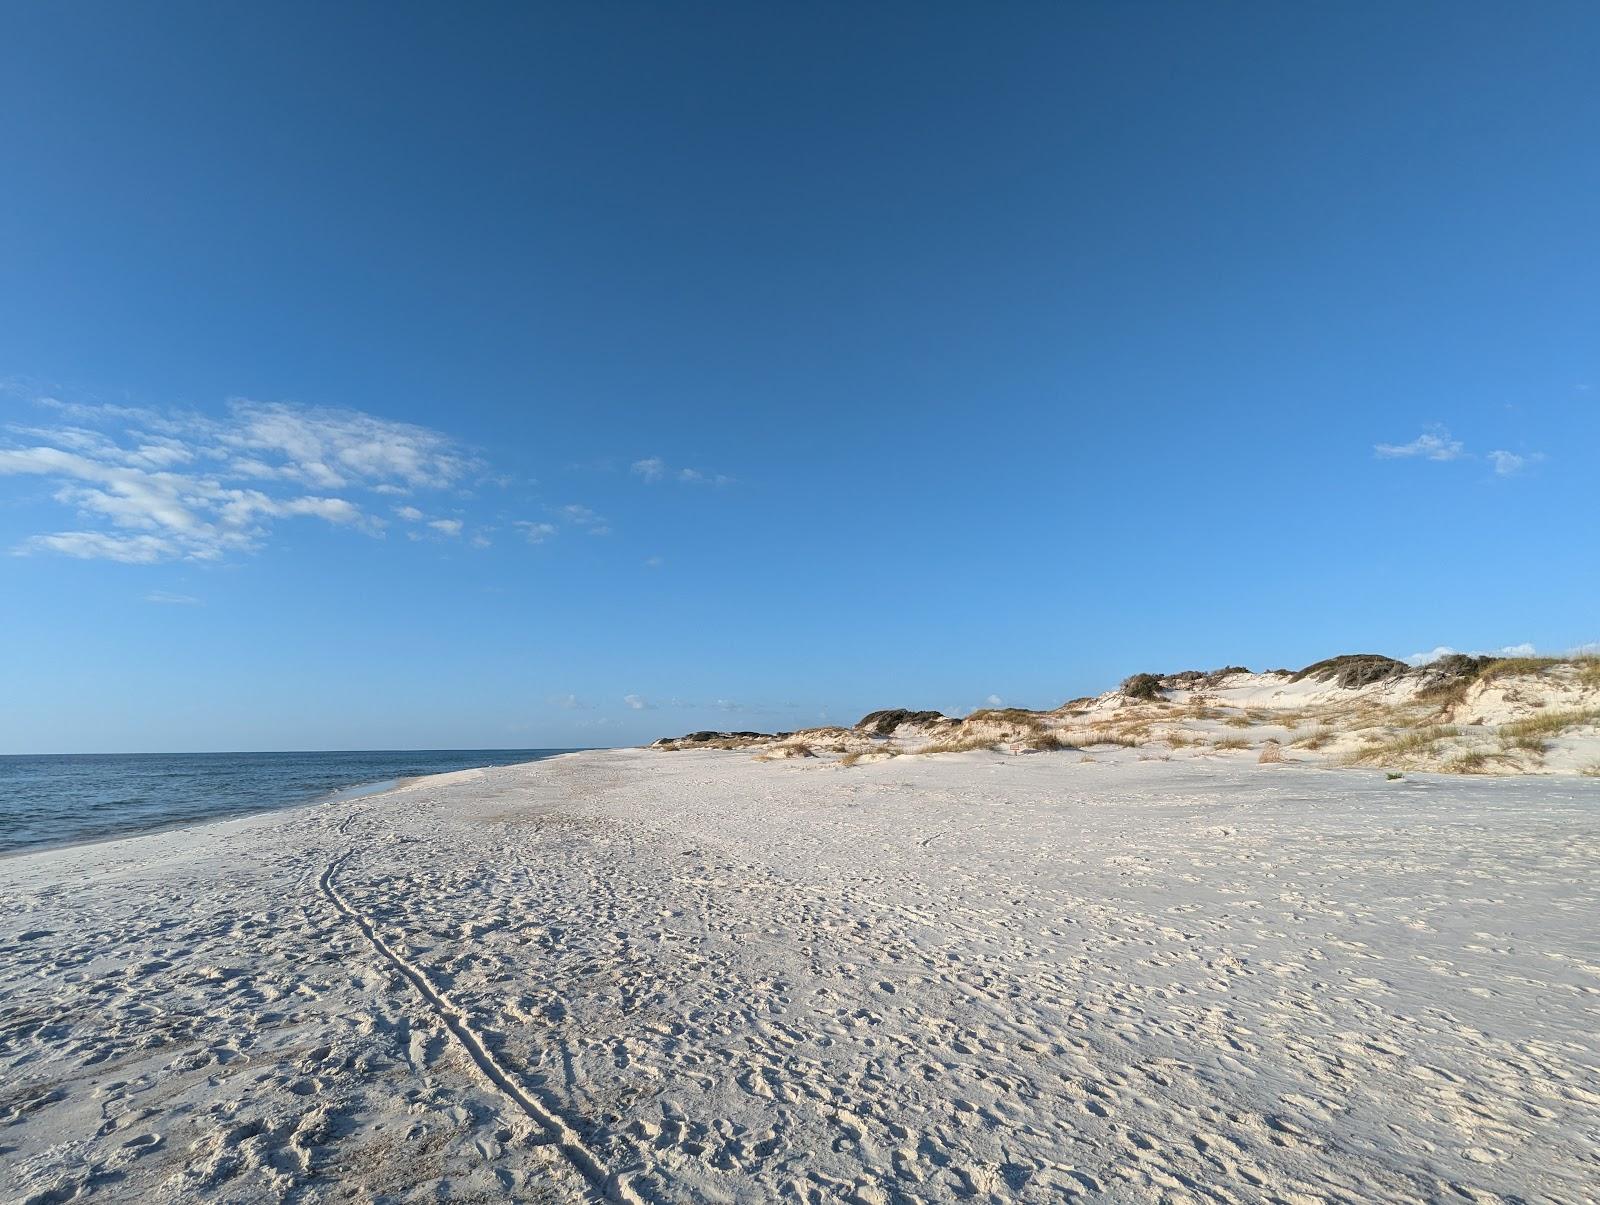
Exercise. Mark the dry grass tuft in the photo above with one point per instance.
(857, 755)
(1005, 715)
(1526, 744)
(1048, 742)
(1550, 723)
(1231, 742)
(965, 744)
(1424, 742)
(1107, 736)
(786, 750)
(1237, 721)
(1316, 740)
(1271, 754)
(1511, 667)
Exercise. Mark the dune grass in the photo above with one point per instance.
(1005, 715)
(963, 744)
(1524, 744)
(1231, 742)
(1048, 742)
(1549, 723)
(1511, 667)
(1106, 736)
(1421, 742)
(856, 756)
(1316, 740)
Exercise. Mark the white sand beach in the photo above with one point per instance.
(695, 976)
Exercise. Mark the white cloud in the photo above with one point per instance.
(481, 541)
(96, 545)
(653, 469)
(1444, 650)
(588, 520)
(654, 562)
(199, 488)
(410, 514)
(449, 527)
(334, 510)
(696, 477)
(537, 533)
(332, 448)
(172, 600)
(1507, 463)
(638, 703)
(1435, 444)
(994, 701)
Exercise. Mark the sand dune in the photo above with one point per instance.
(1462, 715)
(688, 977)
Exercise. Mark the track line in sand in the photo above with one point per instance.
(563, 1136)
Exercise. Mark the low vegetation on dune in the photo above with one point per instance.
(964, 744)
(884, 723)
(1460, 714)
(1144, 687)
(1353, 670)
(1421, 742)
(1549, 723)
(876, 753)
(1048, 742)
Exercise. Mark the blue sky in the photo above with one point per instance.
(390, 376)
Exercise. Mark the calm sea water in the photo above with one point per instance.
(61, 799)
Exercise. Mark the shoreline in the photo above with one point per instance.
(355, 790)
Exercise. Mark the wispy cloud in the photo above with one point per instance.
(1433, 444)
(449, 527)
(163, 598)
(583, 517)
(653, 469)
(1437, 443)
(638, 703)
(1506, 463)
(537, 533)
(153, 486)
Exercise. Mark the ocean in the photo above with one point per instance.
(62, 799)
